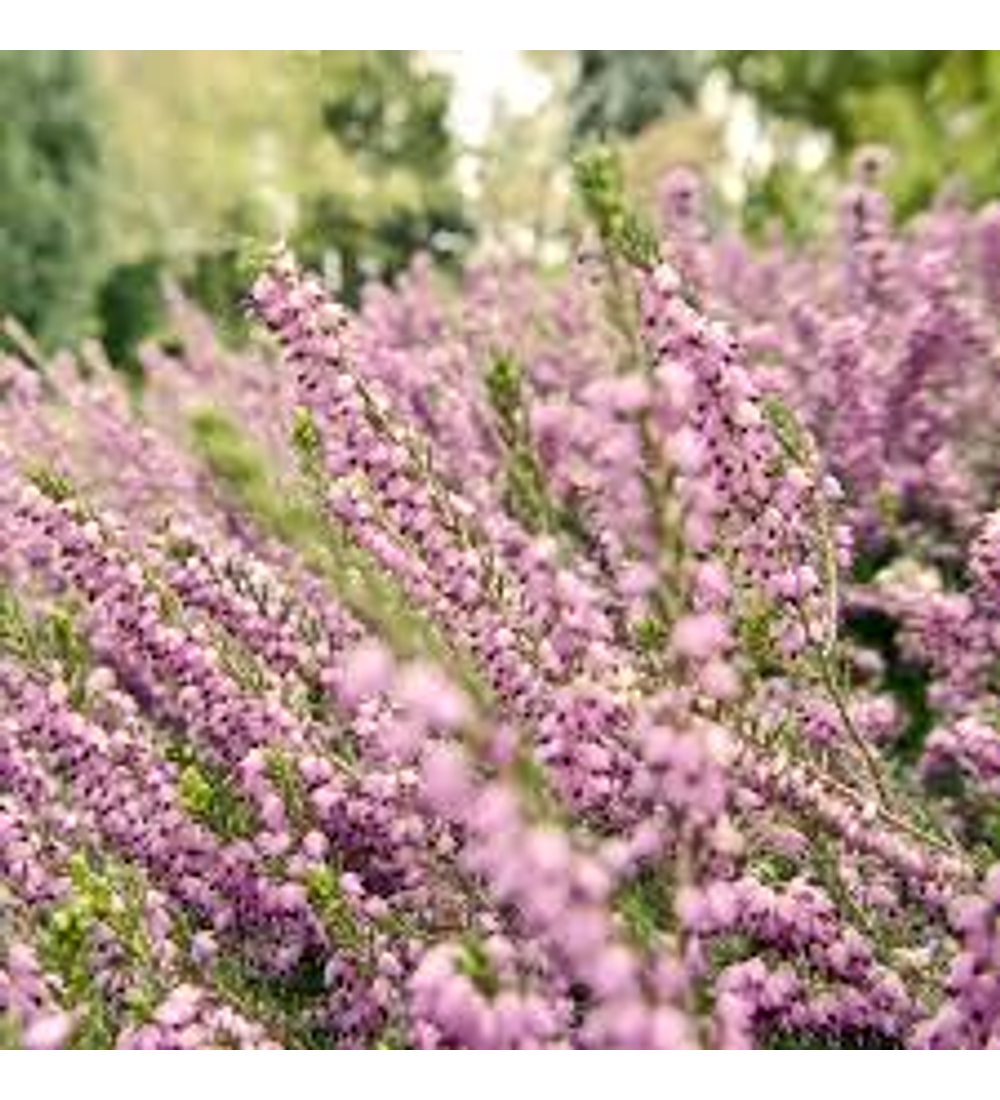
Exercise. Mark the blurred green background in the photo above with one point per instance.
(120, 170)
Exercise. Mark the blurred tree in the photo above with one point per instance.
(817, 86)
(50, 193)
(939, 110)
(388, 112)
(130, 306)
(620, 92)
(195, 136)
(385, 110)
(347, 154)
(203, 148)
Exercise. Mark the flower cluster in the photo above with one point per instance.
(606, 661)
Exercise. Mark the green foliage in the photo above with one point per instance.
(818, 85)
(241, 663)
(285, 776)
(290, 1005)
(526, 491)
(327, 898)
(645, 905)
(244, 470)
(50, 191)
(362, 241)
(600, 183)
(475, 964)
(938, 109)
(386, 110)
(227, 451)
(904, 679)
(48, 641)
(131, 309)
(535, 787)
(106, 898)
(10, 1033)
(393, 1038)
(789, 431)
(788, 197)
(50, 482)
(307, 441)
(215, 280)
(650, 634)
(389, 114)
(213, 799)
(622, 91)
(756, 626)
(348, 154)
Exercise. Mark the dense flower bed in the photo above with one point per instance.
(602, 661)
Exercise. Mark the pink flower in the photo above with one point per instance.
(447, 780)
(430, 698)
(366, 671)
(700, 637)
(48, 1032)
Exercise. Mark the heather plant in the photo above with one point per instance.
(601, 661)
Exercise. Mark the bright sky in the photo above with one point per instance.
(482, 79)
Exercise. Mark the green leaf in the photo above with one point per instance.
(50, 482)
(475, 964)
(211, 797)
(795, 440)
(645, 905)
(600, 183)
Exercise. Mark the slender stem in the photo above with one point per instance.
(857, 738)
(829, 680)
(946, 846)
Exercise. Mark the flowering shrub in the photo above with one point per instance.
(603, 662)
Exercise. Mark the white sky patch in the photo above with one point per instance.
(486, 79)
